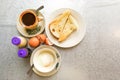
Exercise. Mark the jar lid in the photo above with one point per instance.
(23, 52)
(16, 40)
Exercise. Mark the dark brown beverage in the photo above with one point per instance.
(28, 19)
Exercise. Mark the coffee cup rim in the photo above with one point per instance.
(21, 22)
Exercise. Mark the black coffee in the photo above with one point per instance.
(28, 19)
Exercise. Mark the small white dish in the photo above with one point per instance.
(45, 71)
(75, 37)
(24, 32)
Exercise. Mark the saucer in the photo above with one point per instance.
(30, 33)
(55, 67)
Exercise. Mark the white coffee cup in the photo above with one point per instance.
(45, 60)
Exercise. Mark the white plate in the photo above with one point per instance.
(75, 37)
(49, 73)
(23, 31)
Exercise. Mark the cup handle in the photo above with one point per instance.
(40, 18)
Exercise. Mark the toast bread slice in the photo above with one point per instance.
(69, 28)
(57, 25)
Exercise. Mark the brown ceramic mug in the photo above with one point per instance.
(29, 19)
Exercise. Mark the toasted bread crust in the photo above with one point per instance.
(57, 25)
(63, 26)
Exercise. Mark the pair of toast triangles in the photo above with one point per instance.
(62, 26)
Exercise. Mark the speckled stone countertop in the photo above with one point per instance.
(97, 57)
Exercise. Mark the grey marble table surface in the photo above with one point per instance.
(97, 57)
